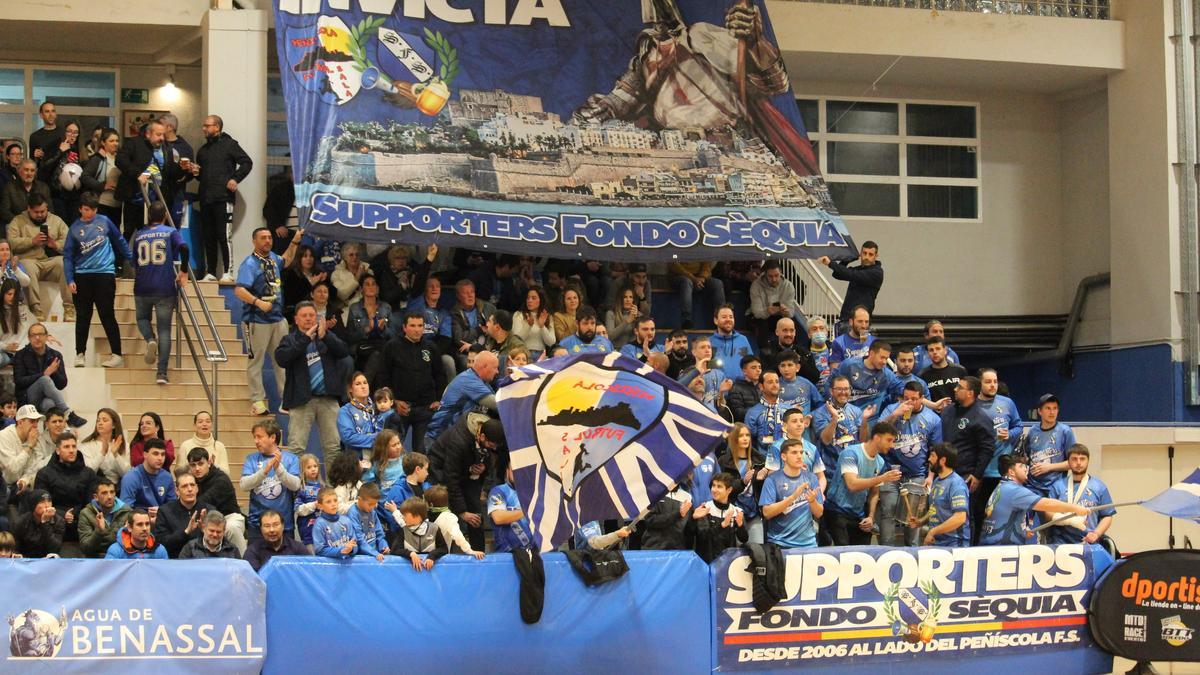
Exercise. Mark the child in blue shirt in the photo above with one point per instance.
(414, 484)
(333, 533)
(511, 529)
(306, 497)
(90, 256)
(368, 531)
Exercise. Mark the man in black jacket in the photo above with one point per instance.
(468, 458)
(412, 367)
(138, 159)
(182, 520)
(865, 280)
(744, 394)
(68, 480)
(312, 357)
(216, 488)
(40, 376)
(968, 427)
(221, 164)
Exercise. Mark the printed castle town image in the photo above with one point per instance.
(494, 144)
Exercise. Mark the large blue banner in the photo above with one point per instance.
(623, 129)
(141, 616)
(879, 609)
(463, 616)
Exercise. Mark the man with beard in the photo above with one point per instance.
(1008, 518)
(585, 338)
(784, 340)
(865, 280)
(221, 165)
(933, 329)
(920, 429)
(16, 193)
(942, 376)
(836, 424)
(1080, 487)
(855, 341)
(140, 158)
(37, 237)
(967, 426)
(679, 356)
(1007, 423)
(906, 369)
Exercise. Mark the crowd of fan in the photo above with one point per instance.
(368, 351)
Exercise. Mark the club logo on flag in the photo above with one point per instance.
(913, 611)
(587, 414)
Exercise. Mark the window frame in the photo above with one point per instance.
(29, 109)
(902, 140)
(281, 117)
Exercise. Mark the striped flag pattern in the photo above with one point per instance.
(599, 436)
(1181, 500)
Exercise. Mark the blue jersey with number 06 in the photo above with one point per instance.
(155, 250)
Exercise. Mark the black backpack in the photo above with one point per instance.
(597, 567)
(767, 568)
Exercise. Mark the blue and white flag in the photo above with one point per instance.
(1181, 500)
(599, 436)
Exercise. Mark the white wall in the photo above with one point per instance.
(1013, 256)
(1086, 233)
(186, 104)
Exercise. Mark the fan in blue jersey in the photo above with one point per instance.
(271, 476)
(933, 329)
(836, 424)
(1083, 489)
(855, 342)
(1008, 518)
(791, 501)
(715, 382)
(1046, 445)
(920, 428)
(585, 339)
(1007, 422)
(906, 372)
(872, 382)
(850, 515)
(728, 345)
(796, 391)
(157, 276)
(90, 255)
(949, 515)
(642, 345)
(766, 419)
(795, 423)
(470, 390)
(510, 527)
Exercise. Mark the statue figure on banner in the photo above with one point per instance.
(704, 76)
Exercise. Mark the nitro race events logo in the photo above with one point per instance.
(133, 633)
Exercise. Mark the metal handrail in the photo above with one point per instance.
(816, 296)
(185, 330)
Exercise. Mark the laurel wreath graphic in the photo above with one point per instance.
(447, 56)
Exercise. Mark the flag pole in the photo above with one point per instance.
(1067, 516)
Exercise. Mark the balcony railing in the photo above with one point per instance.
(1072, 9)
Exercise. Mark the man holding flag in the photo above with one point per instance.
(1081, 488)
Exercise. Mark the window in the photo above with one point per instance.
(278, 151)
(897, 159)
(85, 96)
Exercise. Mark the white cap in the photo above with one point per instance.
(28, 412)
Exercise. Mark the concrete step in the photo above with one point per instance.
(210, 289)
(136, 347)
(176, 391)
(129, 330)
(186, 375)
(186, 407)
(220, 315)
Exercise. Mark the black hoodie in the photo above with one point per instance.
(70, 485)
